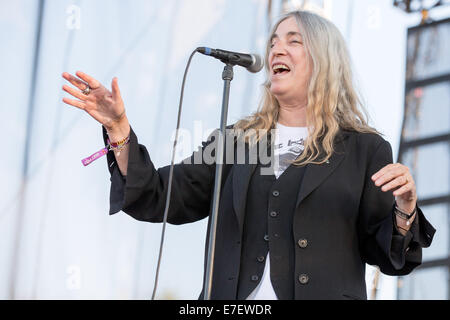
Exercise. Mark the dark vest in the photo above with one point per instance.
(268, 226)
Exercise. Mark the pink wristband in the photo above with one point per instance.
(95, 156)
(118, 146)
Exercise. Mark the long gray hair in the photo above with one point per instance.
(333, 102)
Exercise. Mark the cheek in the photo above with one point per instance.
(303, 69)
(302, 62)
(300, 56)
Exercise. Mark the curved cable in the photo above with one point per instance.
(169, 187)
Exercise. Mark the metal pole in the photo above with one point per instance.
(227, 76)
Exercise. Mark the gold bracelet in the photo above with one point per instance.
(118, 146)
(120, 143)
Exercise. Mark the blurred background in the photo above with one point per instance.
(57, 240)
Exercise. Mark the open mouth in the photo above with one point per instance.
(279, 69)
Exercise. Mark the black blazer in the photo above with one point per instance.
(346, 219)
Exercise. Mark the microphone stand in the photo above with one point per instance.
(227, 76)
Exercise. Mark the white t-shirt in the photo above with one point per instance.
(289, 143)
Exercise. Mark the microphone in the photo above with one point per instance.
(252, 62)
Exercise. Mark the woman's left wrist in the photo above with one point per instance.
(404, 219)
(407, 213)
(408, 208)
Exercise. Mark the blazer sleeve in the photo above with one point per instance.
(142, 193)
(380, 242)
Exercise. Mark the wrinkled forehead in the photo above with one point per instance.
(287, 27)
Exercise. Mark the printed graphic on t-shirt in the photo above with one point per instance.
(288, 152)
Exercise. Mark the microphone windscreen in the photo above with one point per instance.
(257, 65)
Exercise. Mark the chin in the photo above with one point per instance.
(277, 90)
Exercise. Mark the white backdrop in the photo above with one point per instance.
(57, 240)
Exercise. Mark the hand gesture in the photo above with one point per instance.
(103, 105)
(397, 176)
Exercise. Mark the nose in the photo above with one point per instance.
(278, 48)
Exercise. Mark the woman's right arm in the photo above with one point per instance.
(105, 106)
(137, 187)
(118, 133)
(142, 193)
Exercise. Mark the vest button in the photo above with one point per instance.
(255, 277)
(273, 214)
(260, 258)
(276, 193)
(302, 243)
(303, 278)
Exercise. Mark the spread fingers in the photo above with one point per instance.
(76, 103)
(74, 80)
(76, 93)
(94, 84)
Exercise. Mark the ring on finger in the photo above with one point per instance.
(86, 90)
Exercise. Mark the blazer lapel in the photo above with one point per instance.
(242, 174)
(315, 174)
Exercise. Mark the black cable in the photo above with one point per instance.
(169, 187)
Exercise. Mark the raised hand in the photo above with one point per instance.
(105, 106)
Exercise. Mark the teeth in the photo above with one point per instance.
(280, 67)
